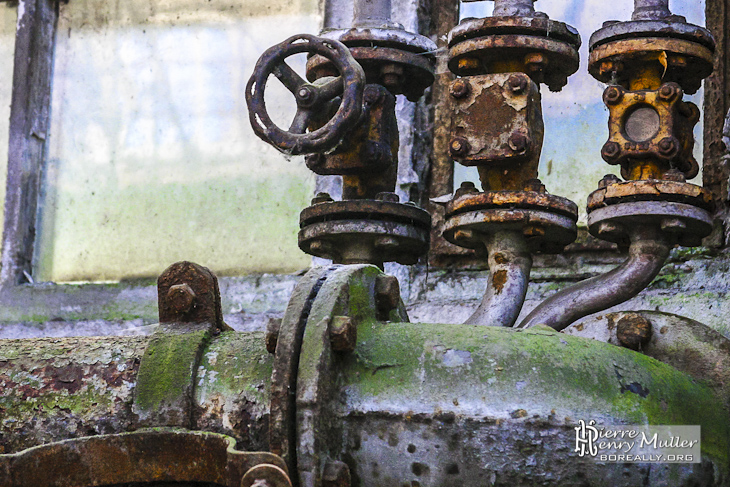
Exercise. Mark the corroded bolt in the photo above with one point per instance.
(668, 91)
(519, 142)
(387, 295)
(460, 88)
(518, 84)
(467, 187)
(320, 246)
(610, 67)
(181, 298)
(322, 198)
(305, 96)
(674, 174)
(343, 334)
(535, 185)
(335, 474)
(613, 95)
(468, 63)
(387, 196)
(372, 95)
(673, 225)
(633, 331)
(272, 334)
(677, 61)
(535, 63)
(392, 76)
(459, 146)
(608, 180)
(460, 235)
(668, 146)
(610, 151)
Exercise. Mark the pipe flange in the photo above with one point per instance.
(651, 190)
(619, 49)
(363, 231)
(547, 221)
(681, 223)
(475, 45)
(401, 61)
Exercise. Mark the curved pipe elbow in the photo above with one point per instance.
(648, 251)
(510, 262)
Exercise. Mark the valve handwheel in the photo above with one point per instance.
(311, 98)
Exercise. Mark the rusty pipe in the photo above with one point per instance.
(510, 262)
(651, 10)
(372, 13)
(648, 250)
(511, 8)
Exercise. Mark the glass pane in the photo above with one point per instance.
(152, 159)
(8, 20)
(576, 120)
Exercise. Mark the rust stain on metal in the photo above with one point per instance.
(498, 280)
(188, 293)
(633, 331)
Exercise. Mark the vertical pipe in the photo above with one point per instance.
(372, 13)
(510, 8)
(651, 10)
(510, 262)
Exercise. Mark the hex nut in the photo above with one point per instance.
(467, 187)
(181, 298)
(517, 84)
(608, 180)
(387, 196)
(460, 88)
(668, 146)
(272, 334)
(633, 331)
(613, 95)
(668, 91)
(343, 334)
(519, 142)
(387, 295)
(610, 151)
(459, 146)
(322, 198)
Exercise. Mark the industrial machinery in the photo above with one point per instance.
(344, 390)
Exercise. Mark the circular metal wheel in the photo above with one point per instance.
(310, 98)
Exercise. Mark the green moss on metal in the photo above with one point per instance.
(548, 374)
(167, 370)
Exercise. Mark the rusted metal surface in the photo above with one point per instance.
(648, 250)
(189, 293)
(654, 125)
(633, 331)
(615, 191)
(171, 456)
(511, 199)
(60, 388)
(365, 231)
(342, 333)
(510, 262)
(311, 98)
(497, 125)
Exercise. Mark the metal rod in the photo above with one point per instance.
(510, 262)
(371, 13)
(509, 8)
(651, 10)
(648, 250)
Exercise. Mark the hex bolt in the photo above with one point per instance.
(467, 187)
(387, 295)
(535, 63)
(459, 146)
(668, 92)
(468, 63)
(392, 76)
(459, 88)
(608, 180)
(519, 142)
(633, 331)
(668, 146)
(343, 334)
(673, 225)
(181, 298)
(335, 474)
(535, 185)
(531, 231)
(320, 247)
(322, 198)
(387, 196)
(272, 334)
(516, 83)
(372, 95)
(305, 96)
(613, 95)
(610, 152)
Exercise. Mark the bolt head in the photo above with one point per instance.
(519, 142)
(272, 334)
(372, 95)
(387, 196)
(610, 151)
(674, 174)
(387, 295)
(305, 96)
(516, 83)
(343, 334)
(467, 187)
(460, 88)
(459, 146)
(181, 298)
(322, 198)
(668, 146)
(608, 180)
(633, 331)
(668, 91)
(613, 95)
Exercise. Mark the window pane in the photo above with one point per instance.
(152, 158)
(576, 120)
(8, 20)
